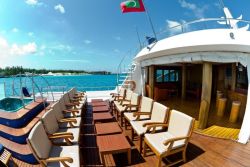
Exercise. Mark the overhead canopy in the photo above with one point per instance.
(216, 57)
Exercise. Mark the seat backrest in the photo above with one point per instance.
(62, 104)
(146, 104)
(39, 141)
(180, 124)
(135, 99)
(50, 122)
(57, 110)
(71, 93)
(159, 112)
(122, 92)
(66, 98)
(74, 91)
(128, 94)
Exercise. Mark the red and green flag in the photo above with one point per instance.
(132, 6)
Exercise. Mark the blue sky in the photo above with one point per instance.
(90, 34)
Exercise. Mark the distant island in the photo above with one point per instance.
(11, 71)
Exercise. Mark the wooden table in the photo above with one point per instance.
(112, 144)
(100, 109)
(101, 103)
(104, 116)
(107, 128)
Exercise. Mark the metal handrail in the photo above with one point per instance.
(94, 87)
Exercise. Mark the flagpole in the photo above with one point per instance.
(138, 36)
(150, 21)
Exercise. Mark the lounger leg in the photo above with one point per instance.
(159, 162)
(144, 149)
(140, 138)
(122, 119)
(129, 156)
(184, 155)
(132, 134)
(125, 121)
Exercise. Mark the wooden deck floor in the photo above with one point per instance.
(202, 151)
(191, 107)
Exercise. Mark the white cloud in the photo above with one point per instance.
(73, 61)
(59, 8)
(43, 47)
(31, 2)
(174, 27)
(7, 49)
(15, 30)
(86, 41)
(117, 38)
(198, 11)
(30, 34)
(116, 50)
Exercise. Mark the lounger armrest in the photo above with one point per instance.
(170, 142)
(62, 133)
(69, 120)
(114, 94)
(70, 105)
(129, 107)
(67, 137)
(141, 113)
(118, 98)
(71, 111)
(75, 100)
(151, 126)
(63, 160)
(138, 114)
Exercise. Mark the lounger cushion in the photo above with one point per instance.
(40, 141)
(179, 124)
(58, 110)
(159, 112)
(146, 104)
(157, 141)
(128, 94)
(130, 116)
(65, 151)
(138, 128)
(120, 108)
(135, 99)
(50, 122)
(52, 127)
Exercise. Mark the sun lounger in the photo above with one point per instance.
(158, 115)
(146, 105)
(69, 111)
(71, 105)
(48, 154)
(121, 102)
(131, 107)
(53, 129)
(65, 122)
(172, 141)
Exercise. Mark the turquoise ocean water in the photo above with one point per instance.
(60, 83)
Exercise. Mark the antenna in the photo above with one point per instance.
(222, 3)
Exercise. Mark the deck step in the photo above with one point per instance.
(219, 132)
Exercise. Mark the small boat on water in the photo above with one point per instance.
(202, 73)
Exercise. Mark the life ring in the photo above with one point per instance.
(131, 83)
